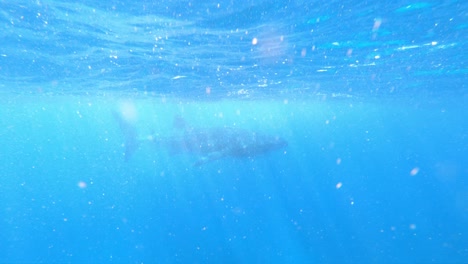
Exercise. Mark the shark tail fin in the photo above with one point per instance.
(179, 122)
(130, 134)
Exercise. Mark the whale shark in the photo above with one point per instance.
(207, 144)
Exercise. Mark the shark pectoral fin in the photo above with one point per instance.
(200, 162)
(211, 157)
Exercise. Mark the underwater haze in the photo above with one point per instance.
(233, 131)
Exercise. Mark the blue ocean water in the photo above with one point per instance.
(370, 97)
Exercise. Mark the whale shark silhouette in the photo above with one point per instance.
(208, 144)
